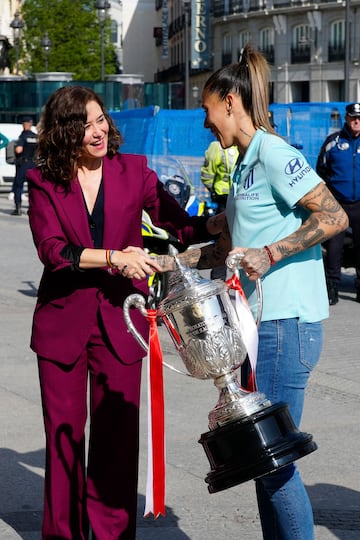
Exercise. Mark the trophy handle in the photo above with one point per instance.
(260, 301)
(233, 262)
(138, 301)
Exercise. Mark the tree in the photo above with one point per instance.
(73, 29)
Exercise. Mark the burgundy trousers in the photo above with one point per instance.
(103, 491)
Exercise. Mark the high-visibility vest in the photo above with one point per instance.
(217, 167)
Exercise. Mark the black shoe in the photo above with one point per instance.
(333, 294)
(357, 299)
(17, 211)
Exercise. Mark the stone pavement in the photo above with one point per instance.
(331, 474)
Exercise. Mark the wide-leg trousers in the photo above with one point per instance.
(103, 491)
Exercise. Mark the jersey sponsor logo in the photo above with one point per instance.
(249, 180)
(248, 197)
(294, 166)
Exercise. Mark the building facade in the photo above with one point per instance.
(313, 47)
(8, 9)
(132, 24)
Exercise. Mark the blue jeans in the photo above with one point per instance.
(288, 351)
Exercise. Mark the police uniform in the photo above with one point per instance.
(24, 161)
(339, 165)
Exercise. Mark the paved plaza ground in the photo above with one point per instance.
(331, 474)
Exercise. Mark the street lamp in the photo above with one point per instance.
(17, 25)
(187, 6)
(46, 45)
(102, 6)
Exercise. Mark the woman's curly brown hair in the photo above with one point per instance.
(61, 132)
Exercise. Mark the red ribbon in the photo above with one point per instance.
(157, 416)
(235, 284)
(174, 333)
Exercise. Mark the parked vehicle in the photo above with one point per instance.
(156, 240)
(7, 170)
(178, 184)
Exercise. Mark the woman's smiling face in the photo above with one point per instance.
(215, 111)
(96, 132)
(218, 118)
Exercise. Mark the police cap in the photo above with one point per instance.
(353, 109)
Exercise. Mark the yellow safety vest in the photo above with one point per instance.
(217, 167)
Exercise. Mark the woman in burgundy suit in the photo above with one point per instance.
(85, 210)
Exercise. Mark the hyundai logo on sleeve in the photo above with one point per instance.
(297, 170)
(294, 166)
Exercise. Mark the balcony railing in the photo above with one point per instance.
(269, 53)
(220, 8)
(336, 53)
(176, 25)
(173, 73)
(300, 54)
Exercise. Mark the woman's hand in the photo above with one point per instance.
(254, 261)
(134, 262)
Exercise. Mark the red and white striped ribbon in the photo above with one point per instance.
(248, 328)
(156, 471)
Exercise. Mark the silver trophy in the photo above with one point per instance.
(249, 437)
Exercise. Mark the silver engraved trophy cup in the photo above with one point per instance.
(249, 436)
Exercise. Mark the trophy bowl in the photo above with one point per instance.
(249, 436)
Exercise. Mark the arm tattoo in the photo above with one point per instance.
(326, 219)
(210, 255)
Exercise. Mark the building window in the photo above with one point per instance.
(301, 44)
(266, 44)
(114, 31)
(337, 32)
(336, 50)
(237, 6)
(226, 55)
(244, 38)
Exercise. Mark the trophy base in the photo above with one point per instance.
(247, 449)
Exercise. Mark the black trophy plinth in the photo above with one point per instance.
(246, 449)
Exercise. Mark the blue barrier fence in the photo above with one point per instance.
(164, 135)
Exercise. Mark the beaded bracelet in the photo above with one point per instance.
(270, 255)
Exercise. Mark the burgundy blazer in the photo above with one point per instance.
(68, 300)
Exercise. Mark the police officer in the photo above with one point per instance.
(216, 177)
(339, 165)
(24, 150)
